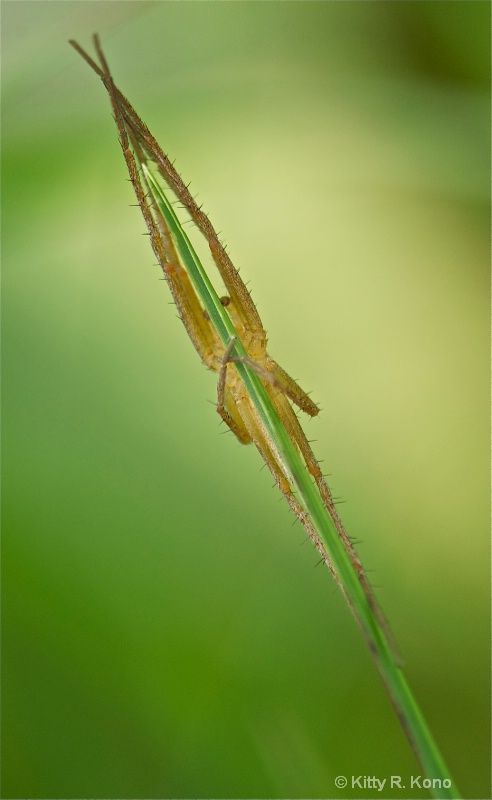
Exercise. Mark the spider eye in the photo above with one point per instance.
(225, 301)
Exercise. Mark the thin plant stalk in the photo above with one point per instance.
(251, 399)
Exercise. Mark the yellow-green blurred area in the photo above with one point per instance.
(166, 632)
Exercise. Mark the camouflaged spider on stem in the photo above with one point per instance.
(243, 341)
(254, 394)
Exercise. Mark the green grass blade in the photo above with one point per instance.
(440, 783)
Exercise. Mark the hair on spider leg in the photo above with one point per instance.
(224, 433)
(228, 430)
(306, 539)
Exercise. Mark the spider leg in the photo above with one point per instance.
(251, 328)
(292, 389)
(201, 332)
(243, 311)
(265, 374)
(268, 452)
(199, 328)
(297, 435)
(274, 375)
(238, 292)
(254, 340)
(232, 280)
(236, 410)
(226, 405)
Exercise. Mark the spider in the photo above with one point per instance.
(234, 403)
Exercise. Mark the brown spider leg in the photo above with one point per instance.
(251, 426)
(226, 405)
(229, 274)
(233, 282)
(259, 360)
(265, 375)
(201, 332)
(292, 389)
(184, 295)
(297, 435)
(266, 367)
(268, 452)
(273, 374)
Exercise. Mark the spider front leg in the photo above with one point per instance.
(227, 392)
(254, 340)
(236, 409)
(226, 405)
(251, 426)
(297, 436)
(200, 330)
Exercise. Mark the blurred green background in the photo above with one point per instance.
(165, 634)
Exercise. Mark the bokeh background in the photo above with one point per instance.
(165, 633)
